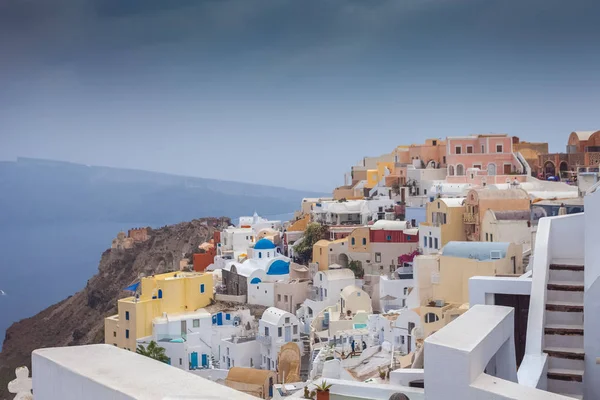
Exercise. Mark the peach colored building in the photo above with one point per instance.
(483, 159)
(583, 155)
(478, 201)
(531, 152)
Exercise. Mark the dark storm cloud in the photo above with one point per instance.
(311, 74)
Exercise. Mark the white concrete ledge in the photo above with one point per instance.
(98, 372)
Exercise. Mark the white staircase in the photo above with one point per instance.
(563, 330)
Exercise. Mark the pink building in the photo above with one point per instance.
(483, 159)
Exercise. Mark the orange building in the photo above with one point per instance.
(583, 155)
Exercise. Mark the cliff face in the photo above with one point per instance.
(79, 319)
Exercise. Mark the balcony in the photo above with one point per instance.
(470, 218)
(266, 340)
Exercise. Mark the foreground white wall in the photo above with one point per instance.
(98, 372)
(591, 300)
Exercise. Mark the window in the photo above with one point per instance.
(408, 238)
(413, 222)
(498, 148)
(325, 292)
(227, 317)
(279, 331)
(436, 243)
(358, 294)
(460, 170)
(389, 238)
(295, 329)
(228, 351)
(202, 288)
(353, 241)
(451, 170)
(278, 297)
(444, 159)
(430, 243)
(401, 339)
(405, 291)
(127, 315)
(364, 241)
(444, 218)
(424, 241)
(114, 334)
(477, 166)
(287, 319)
(424, 191)
(126, 333)
(495, 255)
(260, 254)
(458, 149)
(491, 237)
(431, 317)
(266, 331)
(469, 149)
(268, 254)
(160, 293)
(487, 237)
(434, 142)
(482, 149)
(196, 323)
(377, 257)
(403, 303)
(321, 277)
(180, 361)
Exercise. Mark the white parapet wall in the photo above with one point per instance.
(99, 372)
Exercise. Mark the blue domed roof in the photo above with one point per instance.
(264, 244)
(279, 267)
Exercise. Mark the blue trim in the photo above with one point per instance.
(255, 281)
(202, 288)
(160, 293)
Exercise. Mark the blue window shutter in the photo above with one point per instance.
(202, 288)
(127, 315)
(160, 293)
(227, 317)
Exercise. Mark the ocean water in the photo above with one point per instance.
(41, 265)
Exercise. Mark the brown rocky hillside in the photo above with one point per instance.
(79, 318)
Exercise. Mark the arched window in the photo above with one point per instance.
(260, 254)
(160, 293)
(353, 241)
(431, 317)
(364, 241)
(451, 170)
(460, 170)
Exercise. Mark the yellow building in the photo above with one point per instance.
(173, 292)
(326, 253)
(444, 224)
(359, 240)
(299, 225)
(463, 260)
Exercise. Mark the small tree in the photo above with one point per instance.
(313, 233)
(153, 351)
(356, 267)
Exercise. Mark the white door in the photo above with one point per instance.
(288, 333)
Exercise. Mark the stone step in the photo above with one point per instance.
(567, 286)
(564, 306)
(556, 294)
(566, 275)
(566, 267)
(564, 318)
(559, 336)
(565, 358)
(560, 329)
(567, 375)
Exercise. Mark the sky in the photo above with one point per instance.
(287, 92)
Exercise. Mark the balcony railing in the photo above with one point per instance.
(266, 340)
(470, 218)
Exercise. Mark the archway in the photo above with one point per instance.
(564, 168)
(491, 169)
(451, 170)
(460, 170)
(343, 260)
(549, 169)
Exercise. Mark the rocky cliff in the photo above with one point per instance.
(79, 319)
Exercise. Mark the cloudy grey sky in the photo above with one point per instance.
(287, 92)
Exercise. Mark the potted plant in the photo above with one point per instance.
(323, 391)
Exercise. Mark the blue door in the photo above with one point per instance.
(194, 360)
(220, 319)
(204, 360)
